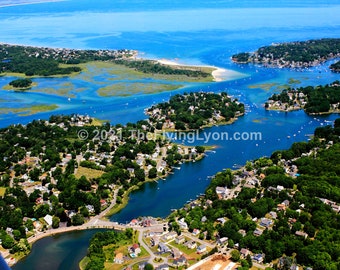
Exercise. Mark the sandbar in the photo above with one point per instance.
(219, 74)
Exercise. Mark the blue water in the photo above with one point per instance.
(190, 32)
(59, 252)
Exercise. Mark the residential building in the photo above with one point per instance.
(201, 249)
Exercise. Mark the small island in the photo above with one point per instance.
(299, 54)
(21, 84)
(314, 100)
(195, 111)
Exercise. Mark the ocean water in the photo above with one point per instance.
(190, 32)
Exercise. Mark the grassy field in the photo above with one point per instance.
(110, 252)
(264, 86)
(269, 85)
(128, 89)
(121, 72)
(190, 253)
(84, 262)
(64, 89)
(89, 173)
(2, 191)
(29, 110)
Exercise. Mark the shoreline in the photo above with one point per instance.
(219, 74)
(298, 109)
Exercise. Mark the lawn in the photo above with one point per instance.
(2, 191)
(89, 173)
(111, 250)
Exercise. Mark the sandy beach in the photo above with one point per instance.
(219, 74)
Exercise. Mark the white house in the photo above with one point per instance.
(48, 220)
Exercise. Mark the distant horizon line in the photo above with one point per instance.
(9, 4)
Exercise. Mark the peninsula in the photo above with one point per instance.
(299, 54)
(39, 61)
(72, 171)
(335, 67)
(61, 172)
(195, 111)
(139, 75)
(314, 100)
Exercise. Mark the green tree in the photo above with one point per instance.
(77, 220)
(153, 173)
(148, 267)
(235, 255)
(55, 222)
(7, 242)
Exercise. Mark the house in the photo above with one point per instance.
(176, 253)
(162, 248)
(119, 258)
(39, 201)
(191, 244)
(336, 208)
(281, 207)
(170, 236)
(302, 234)
(242, 232)
(147, 222)
(195, 232)
(245, 174)
(182, 224)
(236, 181)
(90, 208)
(280, 188)
(221, 220)
(162, 267)
(273, 214)
(37, 225)
(286, 203)
(154, 241)
(201, 249)
(103, 202)
(262, 176)
(265, 222)
(180, 239)
(222, 241)
(209, 203)
(155, 232)
(180, 261)
(258, 258)
(48, 219)
(135, 249)
(9, 231)
(134, 222)
(244, 252)
(222, 192)
(131, 171)
(258, 232)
